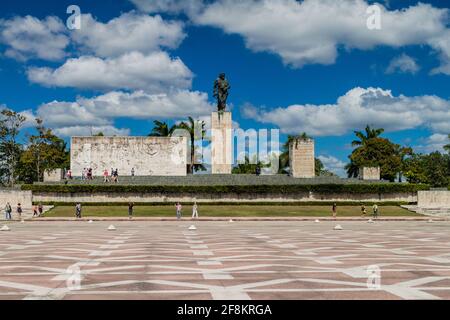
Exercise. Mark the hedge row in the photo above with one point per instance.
(378, 188)
(218, 203)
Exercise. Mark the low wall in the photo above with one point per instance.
(103, 197)
(433, 199)
(14, 197)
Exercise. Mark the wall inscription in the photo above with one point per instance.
(149, 156)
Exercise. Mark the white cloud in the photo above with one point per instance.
(334, 165)
(442, 44)
(129, 32)
(403, 64)
(168, 6)
(101, 111)
(435, 142)
(90, 130)
(311, 31)
(360, 107)
(28, 37)
(154, 73)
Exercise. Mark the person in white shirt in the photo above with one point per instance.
(195, 211)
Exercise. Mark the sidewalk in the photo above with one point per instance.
(46, 219)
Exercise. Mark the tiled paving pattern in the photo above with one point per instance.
(224, 260)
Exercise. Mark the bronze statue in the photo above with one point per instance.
(221, 87)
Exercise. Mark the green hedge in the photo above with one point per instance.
(218, 203)
(376, 188)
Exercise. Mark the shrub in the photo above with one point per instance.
(377, 188)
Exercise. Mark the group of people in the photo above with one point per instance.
(86, 174)
(179, 209)
(8, 211)
(113, 176)
(363, 210)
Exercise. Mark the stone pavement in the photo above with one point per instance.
(301, 218)
(225, 260)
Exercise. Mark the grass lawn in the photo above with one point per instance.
(226, 211)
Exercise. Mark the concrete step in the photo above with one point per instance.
(432, 212)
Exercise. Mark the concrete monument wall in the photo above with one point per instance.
(370, 173)
(221, 143)
(149, 156)
(14, 197)
(115, 197)
(301, 158)
(433, 199)
(55, 175)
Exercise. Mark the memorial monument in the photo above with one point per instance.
(146, 156)
(301, 158)
(221, 130)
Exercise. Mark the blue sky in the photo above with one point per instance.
(309, 66)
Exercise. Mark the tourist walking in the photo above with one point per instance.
(132, 172)
(179, 207)
(363, 210)
(130, 210)
(19, 211)
(334, 210)
(195, 211)
(78, 210)
(8, 211)
(375, 210)
(35, 211)
(40, 209)
(83, 174)
(105, 176)
(116, 176)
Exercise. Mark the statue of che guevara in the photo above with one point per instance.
(221, 87)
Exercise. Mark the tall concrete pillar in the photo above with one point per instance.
(370, 173)
(221, 143)
(301, 158)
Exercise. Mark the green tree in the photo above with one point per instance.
(414, 169)
(352, 170)
(162, 129)
(248, 168)
(366, 136)
(10, 148)
(45, 151)
(377, 152)
(197, 133)
(447, 146)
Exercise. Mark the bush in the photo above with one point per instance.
(376, 188)
(219, 203)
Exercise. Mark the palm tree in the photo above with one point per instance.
(369, 134)
(192, 127)
(447, 147)
(161, 129)
(352, 170)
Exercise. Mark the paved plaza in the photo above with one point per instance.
(225, 260)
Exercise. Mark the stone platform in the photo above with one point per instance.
(219, 179)
(222, 260)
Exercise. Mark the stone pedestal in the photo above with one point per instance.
(370, 173)
(55, 175)
(221, 143)
(301, 159)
